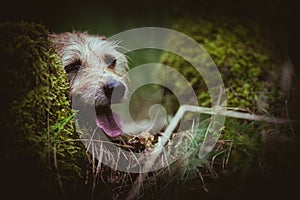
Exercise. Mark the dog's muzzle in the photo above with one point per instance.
(114, 90)
(106, 119)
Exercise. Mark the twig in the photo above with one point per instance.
(221, 111)
(228, 155)
(202, 180)
(98, 169)
(214, 157)
(136, 188)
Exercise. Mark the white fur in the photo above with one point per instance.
(94, 73)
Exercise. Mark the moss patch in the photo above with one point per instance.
(247, 57)
(37, 113)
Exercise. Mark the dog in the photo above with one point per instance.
(95, 71)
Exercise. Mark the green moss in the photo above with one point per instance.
(245, 55)
(249, 61)
(39, 117)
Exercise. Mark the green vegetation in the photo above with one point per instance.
(248, 60)
(40, 126)
(39, 118)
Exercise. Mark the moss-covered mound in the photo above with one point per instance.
(248, 59)
(250, 63)
(38, 131)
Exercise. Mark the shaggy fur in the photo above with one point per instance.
(91, 63)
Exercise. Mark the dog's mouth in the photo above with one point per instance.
(108, 121)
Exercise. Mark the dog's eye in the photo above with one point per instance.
(113, 63)
(110, 61)
(73, 67)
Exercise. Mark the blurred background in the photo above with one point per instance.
(107, 18)
(111, 17)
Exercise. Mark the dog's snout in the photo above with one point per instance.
(115, 87)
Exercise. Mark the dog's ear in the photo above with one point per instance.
(60, 40)
(102, 37)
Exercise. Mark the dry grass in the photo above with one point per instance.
(161, 147)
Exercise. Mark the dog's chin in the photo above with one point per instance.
(108, 121)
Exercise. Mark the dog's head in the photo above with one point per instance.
(95, 72)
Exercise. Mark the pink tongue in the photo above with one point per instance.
(109, 122)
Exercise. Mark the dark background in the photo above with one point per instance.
(110, 17)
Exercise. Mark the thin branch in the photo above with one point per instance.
(221, 111)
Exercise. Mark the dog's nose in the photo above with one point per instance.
(115, 87)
